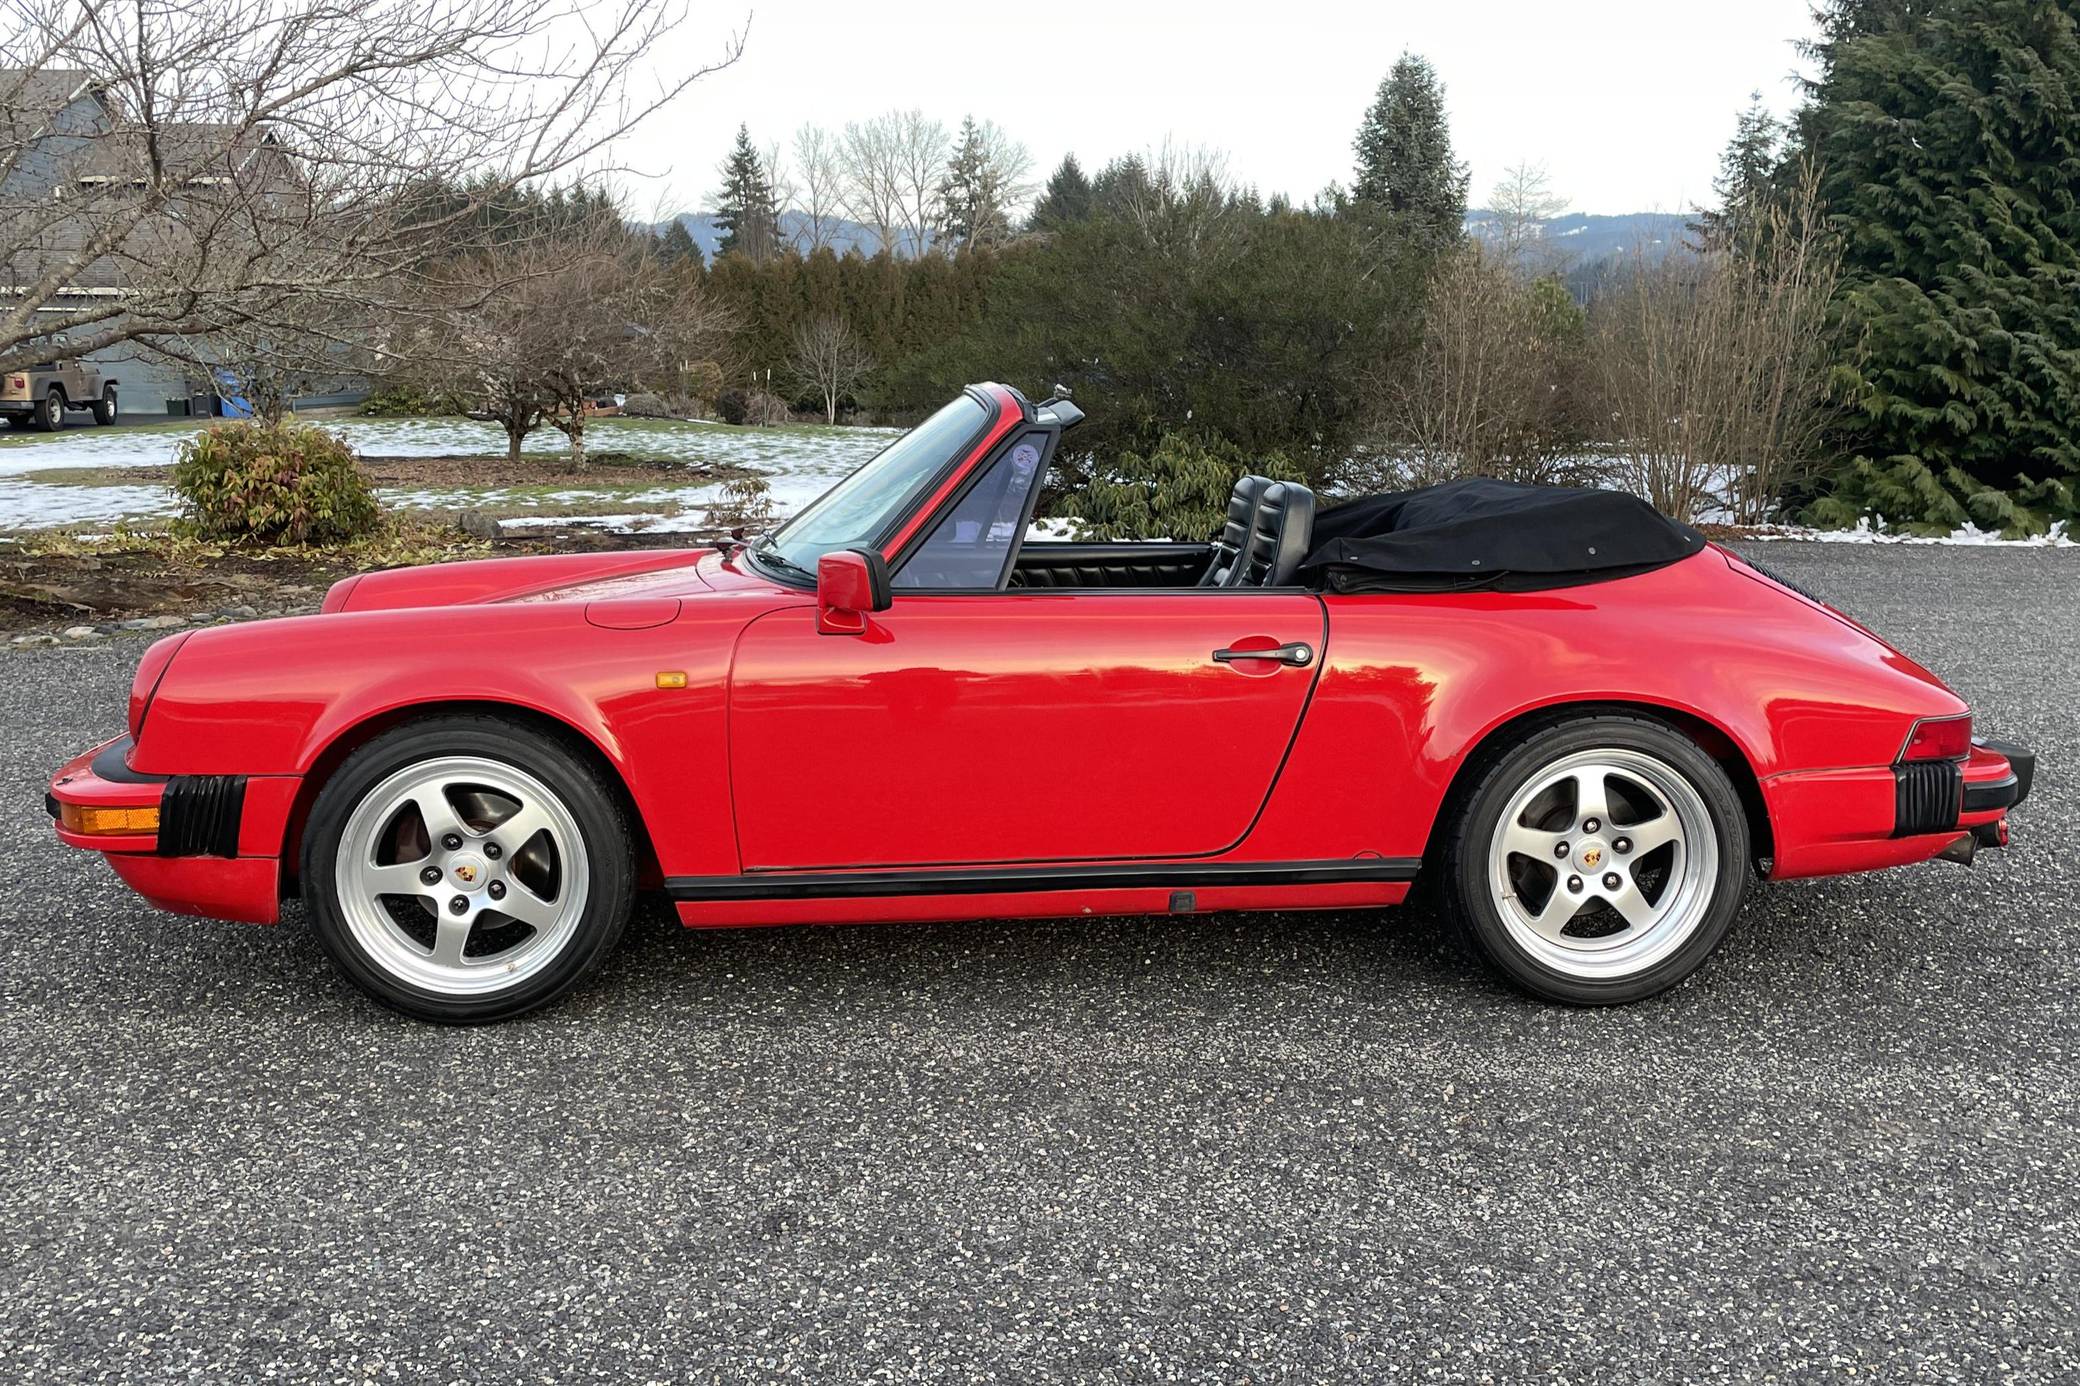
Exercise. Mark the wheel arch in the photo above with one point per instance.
(352, 737)
(1707, 735)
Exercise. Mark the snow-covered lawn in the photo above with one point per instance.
(1865, 532)
(799, 463)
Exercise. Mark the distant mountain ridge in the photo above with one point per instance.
(842, 235)
(1580, 241)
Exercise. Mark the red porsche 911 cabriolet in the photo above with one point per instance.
(1584, 725)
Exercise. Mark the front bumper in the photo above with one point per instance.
(215, 848)
(1832, 821)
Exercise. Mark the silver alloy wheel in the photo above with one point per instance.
(467, 829)
(1595, 898)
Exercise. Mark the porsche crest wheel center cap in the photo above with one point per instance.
(468, 871)
(1592, 856)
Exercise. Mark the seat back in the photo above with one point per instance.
(1279, 534)
(1225, 568)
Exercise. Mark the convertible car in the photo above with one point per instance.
(1582, 727)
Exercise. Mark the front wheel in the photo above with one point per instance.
(105, 407)
(467, 869)
(1599, 861)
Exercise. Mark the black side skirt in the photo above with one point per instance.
(851, 885)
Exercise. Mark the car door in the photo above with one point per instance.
(1017, 726)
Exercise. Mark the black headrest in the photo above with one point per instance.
(1280, 534)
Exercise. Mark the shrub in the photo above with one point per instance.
(732, 405)
(1178, 491)
(275, 483)
(405, 401)
(764, 410)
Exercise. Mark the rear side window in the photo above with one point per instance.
(971, 548)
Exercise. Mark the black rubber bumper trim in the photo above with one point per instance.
(112, 763)
(1999, 794)
(2021, 759)
(199, 815)
(853, 885)
(1927, 797)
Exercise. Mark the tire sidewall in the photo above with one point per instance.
(1481, 918)
(609, 861)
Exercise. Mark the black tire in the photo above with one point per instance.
(105, 409)
(591, 801)
(51, 416)
(1468, 886)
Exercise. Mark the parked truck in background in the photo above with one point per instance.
(42, 393)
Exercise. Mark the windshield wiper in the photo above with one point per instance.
(763, 549)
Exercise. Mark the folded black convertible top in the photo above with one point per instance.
(1481, 533)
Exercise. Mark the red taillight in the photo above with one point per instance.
(1939, 738)
(18, 382)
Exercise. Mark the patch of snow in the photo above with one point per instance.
(798, 464)
(2058, 537)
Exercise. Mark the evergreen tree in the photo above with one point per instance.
(1121, 186)
(1947, 147)
(1068, 198)
(971, 196)
(1404, 148)
(679, 244)
(746, 215)
(1745, 182)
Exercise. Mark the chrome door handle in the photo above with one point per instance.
(1299, 655)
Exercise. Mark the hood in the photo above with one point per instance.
(575, 577)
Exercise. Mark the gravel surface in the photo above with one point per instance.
(1298, 1148)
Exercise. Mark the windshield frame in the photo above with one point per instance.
(764, 554)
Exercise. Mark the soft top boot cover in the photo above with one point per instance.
(1482, 533)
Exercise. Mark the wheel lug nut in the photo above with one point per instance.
(493, 850)
(1560, 850)
(1611, 880)
(458, 905)
(430, 875)
(1622, 845)
(1591, 826)
(452, 841)
(497, 890)
(1574, 883)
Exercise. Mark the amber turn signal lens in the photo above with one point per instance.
(671, 678)
(108, 822)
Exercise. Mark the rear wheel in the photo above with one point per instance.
(51, 416)
(105, 407)
(467, 869)
(1599, 861)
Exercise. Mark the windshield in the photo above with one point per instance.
(860, 509)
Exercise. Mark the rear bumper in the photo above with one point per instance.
(1831, 821)
(216, 849)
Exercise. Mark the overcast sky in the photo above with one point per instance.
(1627, 102)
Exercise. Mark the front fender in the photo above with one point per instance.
(283, 697)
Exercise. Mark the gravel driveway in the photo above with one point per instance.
(1298, 1148)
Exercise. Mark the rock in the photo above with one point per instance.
(243, 613)
(477, 525)
(82, 632)
(31, 640)
(152, 623)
